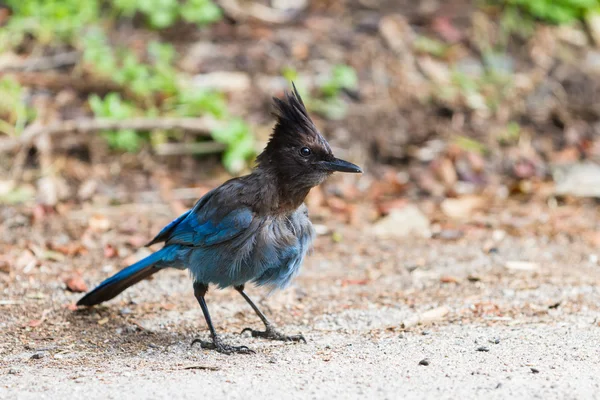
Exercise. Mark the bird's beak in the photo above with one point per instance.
(341, 166)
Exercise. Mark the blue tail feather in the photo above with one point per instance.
(125, 278)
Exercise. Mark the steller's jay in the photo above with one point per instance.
(254, 228)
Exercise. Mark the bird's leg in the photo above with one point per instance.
(270, 332)
(200, 290)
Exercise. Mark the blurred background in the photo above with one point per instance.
(477, 124)
(439, 100)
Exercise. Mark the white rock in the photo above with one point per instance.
(403, 222)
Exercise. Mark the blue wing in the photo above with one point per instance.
(199, 230)
(206, 224)
(163, 235)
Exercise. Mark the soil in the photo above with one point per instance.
(499, 328)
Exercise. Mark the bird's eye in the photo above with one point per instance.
(305, 151)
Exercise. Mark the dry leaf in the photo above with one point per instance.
(449, 279)
(110, 251)
(462, 207)
(76, 284)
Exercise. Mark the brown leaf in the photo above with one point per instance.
(76, 284)
(110, 251)
(70, 249)
(444, 170)
(385, 207)
(449, 279)
(35, 322)
(347, 282)
(443, 26)
(4, 266)
(463, 207)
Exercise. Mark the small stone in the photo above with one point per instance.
(425, 333)
(37, 356)
(424, 362)
(403, 222)
(125, 311)
(483, 348)
(535, 370)
(13, 371)
(273, 360)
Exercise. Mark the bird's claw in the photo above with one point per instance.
(221, 347)
(272, 334)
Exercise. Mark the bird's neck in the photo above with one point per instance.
(279, 194)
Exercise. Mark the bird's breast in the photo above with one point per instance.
(280, 247)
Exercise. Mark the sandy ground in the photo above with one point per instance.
(499, 329)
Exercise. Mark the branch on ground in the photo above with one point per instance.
(202, 126)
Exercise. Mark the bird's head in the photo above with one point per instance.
(297, 152)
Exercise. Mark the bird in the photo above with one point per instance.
(252, 229)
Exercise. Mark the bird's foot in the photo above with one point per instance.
(221, 347)
(272, 334)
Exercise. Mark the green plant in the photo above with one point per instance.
(341, 77)
(157, 76)
(554, 11)
(164, 13)
(112, 106)
(14, 112)
(470, 145)
(47, 20)
(511, 134)
(64, 20)
(149, 79)
(237, 136)
(434, 47)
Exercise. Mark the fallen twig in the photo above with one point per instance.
(56, 81)
(10, 302)
(44, 63)
(259, 12)
(205, 367)
(433, 315)
(170, 149)
(198, 125)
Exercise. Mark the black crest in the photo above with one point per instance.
(292, 117)
(293, 128)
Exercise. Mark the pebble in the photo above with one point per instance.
(535, 370)
(125, 311)
(424, 362)
(13, 371)
(483, 348)
(37, 356)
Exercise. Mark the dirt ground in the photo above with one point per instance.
(502, 315)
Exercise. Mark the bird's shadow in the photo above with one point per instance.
(106, 328)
